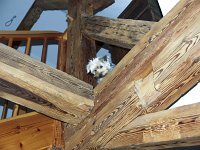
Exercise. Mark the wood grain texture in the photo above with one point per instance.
(155, 73)
(165, 129)
(24, 77)
(119, 32)
(44, 72)
(79, 48)
(30, 131)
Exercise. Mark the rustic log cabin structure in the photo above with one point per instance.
(158, 60)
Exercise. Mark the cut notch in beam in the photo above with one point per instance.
(119, 32)
(33, 81)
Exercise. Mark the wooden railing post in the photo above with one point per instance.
(5, 109)
(28, 46)
(44, 51)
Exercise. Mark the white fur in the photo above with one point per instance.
(99, 67)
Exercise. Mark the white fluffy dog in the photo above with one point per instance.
(99, 67)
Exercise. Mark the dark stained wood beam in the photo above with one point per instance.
(161, 67)
(148, 10)
(29, 131)
(42, 5)
(36, 84)
(31, 17)
(119, 32)
(176, 127)
(79, 48)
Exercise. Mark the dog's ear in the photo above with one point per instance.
(104, 58)
(88, 68)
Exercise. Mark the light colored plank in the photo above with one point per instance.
(165, 129)
(24, 77)
(30, 131)
(140, 83)
(44, 72)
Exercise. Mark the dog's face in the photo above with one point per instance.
(99, 66)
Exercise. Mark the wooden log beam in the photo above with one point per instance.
(38, 83)
(109, 30)
(162, 66)
(29, 131)
(41, 5)
(166, 129)
(79, 48)
(31, 17)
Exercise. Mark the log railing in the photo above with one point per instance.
(14, 38)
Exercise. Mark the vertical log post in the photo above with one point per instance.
(79, 48)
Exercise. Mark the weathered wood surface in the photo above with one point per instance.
(155, 73)
(41, 5)
(166, 129)
(119, 32)
(31, 80)
(79, 48)
(26, 132)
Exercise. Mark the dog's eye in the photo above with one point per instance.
(101, 67)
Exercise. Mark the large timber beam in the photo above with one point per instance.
(79, 48)
(29, 131)
(166, 129)
(41, 5)
(35, 82)
(162, 66)
(119, 32)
